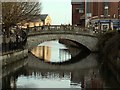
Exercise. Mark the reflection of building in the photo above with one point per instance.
(38, 20)
(64, 55)
(87, 79)
(77, 78)
(42, 52)
(47, 53)
(102, 15)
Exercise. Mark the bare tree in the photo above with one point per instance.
(16, 12)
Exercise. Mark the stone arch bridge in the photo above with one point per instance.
(84, 37)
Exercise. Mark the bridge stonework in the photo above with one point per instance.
(87, 40)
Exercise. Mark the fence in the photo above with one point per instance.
(13, 42)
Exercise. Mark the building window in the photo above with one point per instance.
(106, 9)
(81, 11)
(106, 12)
(106, 3)
(114, 15)
(88, 7)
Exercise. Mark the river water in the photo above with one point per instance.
(54, 65)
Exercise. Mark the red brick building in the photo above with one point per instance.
(107, 9)
(106, 14)
(78, 13)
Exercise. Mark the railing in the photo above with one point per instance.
(59, 29)
(55, 27)
(12, 43)
(12, 47)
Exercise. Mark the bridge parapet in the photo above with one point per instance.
(59, 29)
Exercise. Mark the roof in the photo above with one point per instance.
(36, 18)
(43, 16)
(76, 0)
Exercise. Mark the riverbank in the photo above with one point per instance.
(13, 57)
(12, 61)
(109, 47)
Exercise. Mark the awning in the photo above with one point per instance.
(104, 21)
(116, 26)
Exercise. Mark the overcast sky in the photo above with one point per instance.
(58, 10)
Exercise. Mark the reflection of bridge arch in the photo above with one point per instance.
(87, 40)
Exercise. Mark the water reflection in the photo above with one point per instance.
(35, 78)
(43, 52)
(45, 80)
(53, 51)
(33, 73)
(44, 75)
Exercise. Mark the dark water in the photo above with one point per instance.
(36, 73)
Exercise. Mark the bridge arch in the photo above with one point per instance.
(86, 40)
(69, 42)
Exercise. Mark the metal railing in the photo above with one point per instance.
(12, 47)
(12, 43)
